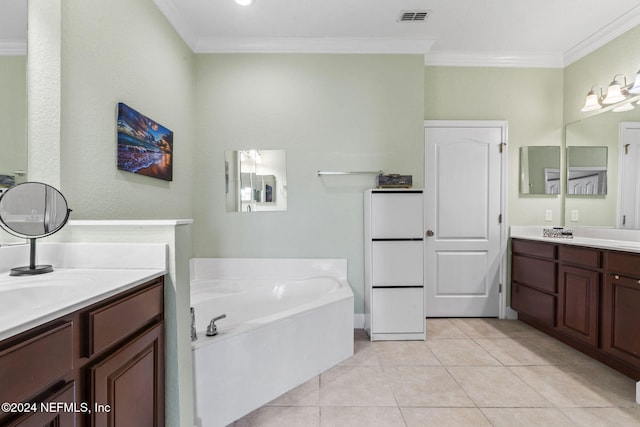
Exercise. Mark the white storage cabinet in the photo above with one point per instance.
(394, 259)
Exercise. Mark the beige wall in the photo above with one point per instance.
(329, 112)
(530, 99)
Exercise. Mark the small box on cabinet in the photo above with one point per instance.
(394, 181)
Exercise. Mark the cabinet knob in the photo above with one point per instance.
(429, 233)
(615, 276)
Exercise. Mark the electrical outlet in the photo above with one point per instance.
(575, 215)
(548, 215)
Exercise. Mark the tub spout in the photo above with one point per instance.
(194, 334)
(212, 329)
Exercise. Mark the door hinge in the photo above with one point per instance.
(500, 219)
(499, 288)
(502, 145)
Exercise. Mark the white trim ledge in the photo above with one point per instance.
(364, 45)
(130, 223)
(493, 59)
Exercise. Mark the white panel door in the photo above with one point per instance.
(463, 199)
(629, 159)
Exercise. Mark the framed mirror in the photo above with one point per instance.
(32, 210)
(586, 171)
(540, 170)
(255, 180)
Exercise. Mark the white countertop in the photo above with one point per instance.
(29, 301)
(602, 238)
(84, 273)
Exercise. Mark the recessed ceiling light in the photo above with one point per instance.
(244, 2)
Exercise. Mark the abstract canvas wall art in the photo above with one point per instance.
(144, 146)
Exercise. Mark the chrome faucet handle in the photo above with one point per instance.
(212, 329)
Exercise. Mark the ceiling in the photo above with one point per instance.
(548, 33)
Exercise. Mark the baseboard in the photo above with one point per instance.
(510, 314)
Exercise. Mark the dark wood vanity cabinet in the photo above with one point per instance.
(595, 307)
(534, 283)
(621, 308)
(100, 366)
(579, 292)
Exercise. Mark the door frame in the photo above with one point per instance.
(504, 312)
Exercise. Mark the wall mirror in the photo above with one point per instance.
(587, 171)
(619, 206)
(255, 180)
(13, 87)
(540, 170)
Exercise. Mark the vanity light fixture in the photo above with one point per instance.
(635, 89)
(623, 107)
(244, 2)
(616, 91)
(593, 101)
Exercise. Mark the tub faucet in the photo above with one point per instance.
(212, 329)
(194, 334)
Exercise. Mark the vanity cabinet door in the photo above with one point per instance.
(621, 317)
(131, 379)
(578, 303)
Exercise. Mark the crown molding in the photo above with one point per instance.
(603, 36)
(369, 45)
(14, 47)
(495, 59)
(177, 21)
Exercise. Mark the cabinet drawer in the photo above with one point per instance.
(534, 272)
(534, 303)
(117, 320)
(580, 256)
(397, 310)
(396, 263)
(50, 418)
(396, 215)
(533, 248)
(623, 263)
(22, 370)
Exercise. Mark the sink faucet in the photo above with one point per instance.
(212, 329)
(194, 334)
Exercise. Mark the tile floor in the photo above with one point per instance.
(469, 372)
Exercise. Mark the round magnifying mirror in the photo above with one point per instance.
(32, 210)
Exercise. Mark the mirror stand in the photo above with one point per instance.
(32, 210)
(32, 268)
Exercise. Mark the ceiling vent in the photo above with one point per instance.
(413, 15)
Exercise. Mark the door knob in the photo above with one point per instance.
(429, 233)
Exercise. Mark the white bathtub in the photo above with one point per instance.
(287, 321)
